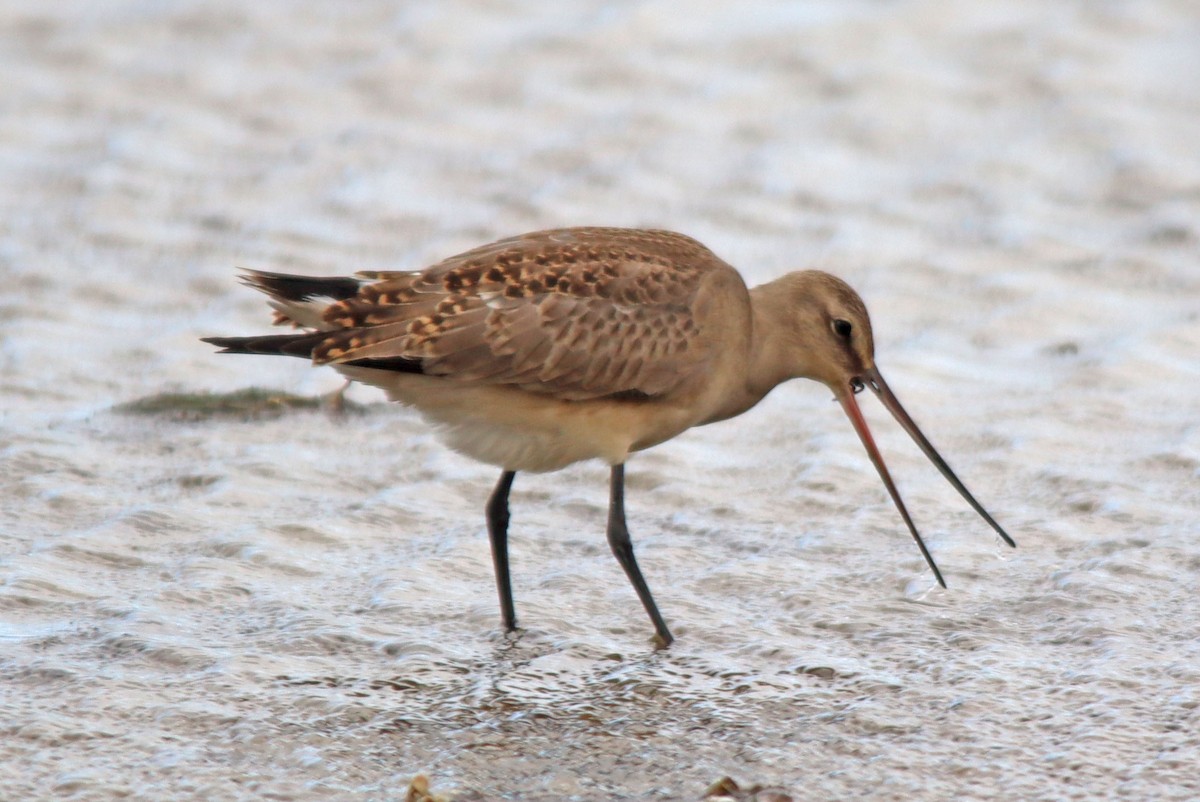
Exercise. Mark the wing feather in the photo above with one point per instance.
(578, 313)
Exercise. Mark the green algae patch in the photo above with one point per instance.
(253, 403)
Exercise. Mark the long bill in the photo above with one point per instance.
(880, 388)
(846, 397)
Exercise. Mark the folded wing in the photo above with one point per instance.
(578, 313)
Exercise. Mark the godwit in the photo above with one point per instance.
(541, 350)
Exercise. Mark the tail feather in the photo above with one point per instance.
(301, 300)
(289, 287)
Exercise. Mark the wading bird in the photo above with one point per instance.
(541, 350)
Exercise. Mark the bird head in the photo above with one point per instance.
(832, 342)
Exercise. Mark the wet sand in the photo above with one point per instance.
(301, 606)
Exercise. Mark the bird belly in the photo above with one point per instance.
(524, 431)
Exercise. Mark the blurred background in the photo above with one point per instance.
(302, 607)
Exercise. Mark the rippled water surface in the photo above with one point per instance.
(302, 607)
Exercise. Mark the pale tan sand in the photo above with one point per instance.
(302, 608)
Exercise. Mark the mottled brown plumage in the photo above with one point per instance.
(577, 314)
(538, 351)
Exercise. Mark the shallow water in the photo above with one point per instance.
(303, 608)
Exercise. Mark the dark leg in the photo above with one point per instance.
(497, 521)
(622, 547)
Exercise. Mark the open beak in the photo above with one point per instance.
(872, 379)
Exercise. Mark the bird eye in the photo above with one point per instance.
(842, 328)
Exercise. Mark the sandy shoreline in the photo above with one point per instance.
(301, 607)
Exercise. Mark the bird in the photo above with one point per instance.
(549, 348)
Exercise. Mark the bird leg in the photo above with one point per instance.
(622, 547)
(497, 522)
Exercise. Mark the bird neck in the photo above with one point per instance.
(772, 349)
(767, 364)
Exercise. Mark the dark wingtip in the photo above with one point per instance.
(300, 345)
(224, 343)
